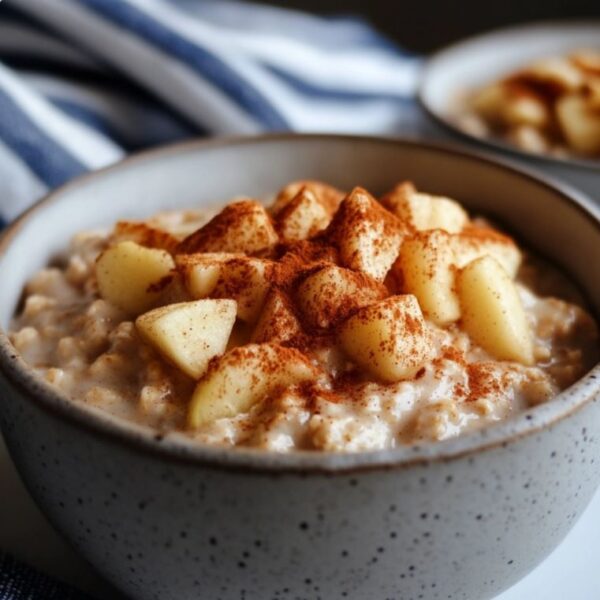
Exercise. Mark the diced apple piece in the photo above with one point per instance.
(473, 124)
(367, 236)
(328, 196)
(492, 313)
(587, 60)
(476, 241)
(201, 271)
(526, 109)
(511, 103)
(129, 275)
(489, 102)
(189, 334)
(330, 294)
(579, 124)
(143, 234)
(446, 214)
(244, 376)
(395, 199)
(557, 72)
(247, 280)
(426, 263)
(389, 338)
(424, 211)
(529, 138)
(303, 217)
(277, 322)
(243, 226)
(592, 94)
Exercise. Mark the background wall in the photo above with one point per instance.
(424, 25)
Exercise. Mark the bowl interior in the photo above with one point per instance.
(486, 58)
(195, 174)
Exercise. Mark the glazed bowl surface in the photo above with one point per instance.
(475, 62)
(164, 518)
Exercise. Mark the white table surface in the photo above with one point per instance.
(571, 572)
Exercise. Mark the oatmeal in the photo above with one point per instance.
(551, 106)
(327, 321)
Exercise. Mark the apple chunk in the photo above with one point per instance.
(201, 271)
(303, 217)
(330, 294)
(243, 226)
(129, 275)
(367, 235)
(244, 376)
(426, 264)
(189, 334)
(492, 313)
(245, 279)
(579, 123)
(424, 211)
(277, 322)
(328, 196)
(389, 338)
(475, 242)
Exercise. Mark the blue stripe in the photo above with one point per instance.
(91, 119)
(149, 131)
(211, 67)
(47, 159)
(313, 90)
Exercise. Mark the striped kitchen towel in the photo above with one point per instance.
(83, 82)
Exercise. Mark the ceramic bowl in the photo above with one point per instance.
(163, 518)
(483, 59)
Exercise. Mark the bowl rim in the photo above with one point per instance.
(492, 143)
(177, 447)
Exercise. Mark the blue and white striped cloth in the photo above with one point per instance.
(83, 82)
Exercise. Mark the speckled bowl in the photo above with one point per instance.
(165, 519)
(474, 62)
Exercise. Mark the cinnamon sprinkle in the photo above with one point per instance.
(314, 285)
(481, 383)
(243, 226)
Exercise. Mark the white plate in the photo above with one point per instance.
(571, 571)
(479, 60)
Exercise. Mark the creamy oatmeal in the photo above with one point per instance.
(551, 106)
(326, 321)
